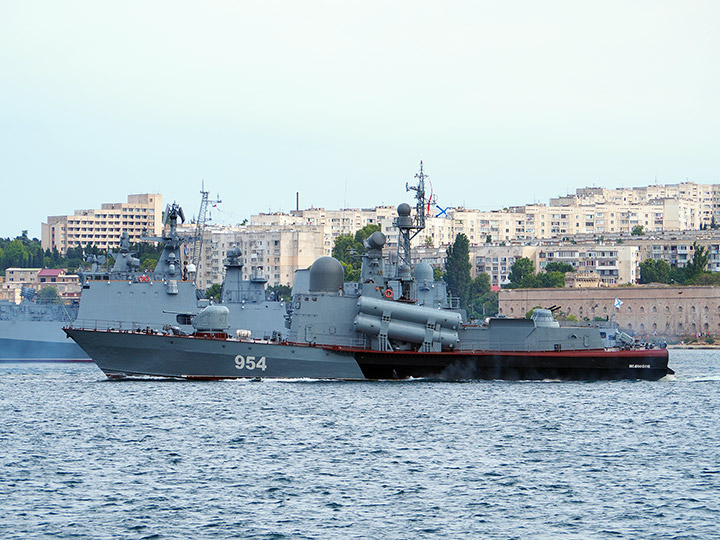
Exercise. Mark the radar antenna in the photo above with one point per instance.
(421, 202)
(200, 226)
(408, 227)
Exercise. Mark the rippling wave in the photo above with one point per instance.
(86, 458)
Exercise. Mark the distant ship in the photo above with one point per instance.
(31, 331)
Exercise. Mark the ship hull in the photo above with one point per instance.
(648, 364)
(38, 341)
(128, 354)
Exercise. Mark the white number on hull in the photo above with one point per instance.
(250, 362)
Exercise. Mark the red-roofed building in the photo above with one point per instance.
(67, 285)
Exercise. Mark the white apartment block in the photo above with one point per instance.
(104, 227)
(269, 252)
(613, 264)
(496, 261)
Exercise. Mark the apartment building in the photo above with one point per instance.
(103, 227)
(272, 253)
(333, 223)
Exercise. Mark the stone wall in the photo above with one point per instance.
(645, 310)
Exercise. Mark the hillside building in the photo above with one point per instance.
(103, 227)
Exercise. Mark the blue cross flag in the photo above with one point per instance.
(618, 303)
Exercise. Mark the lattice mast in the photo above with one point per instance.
(410, 227)
(205, 203)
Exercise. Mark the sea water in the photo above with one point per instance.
(84, 457)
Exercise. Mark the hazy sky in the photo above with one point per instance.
(505, 102)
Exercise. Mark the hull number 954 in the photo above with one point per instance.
(250, 362)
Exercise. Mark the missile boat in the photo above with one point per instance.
(378, 330)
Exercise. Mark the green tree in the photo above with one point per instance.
(555, 266)
(707, 278)
(654, 271)
(638, 230)
(214, 292)
(48, 295)
(279, 292)
(344, 247)
(522, 273)
(698, 263)
(148, 262)
(438, 274)
(480, 285)
(457, 269)
(489, 302)
(550, 280)
(349, 249)
(480, 296)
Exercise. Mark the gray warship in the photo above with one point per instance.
(377, 330)
(127, 293)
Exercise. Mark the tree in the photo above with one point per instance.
(522, 273)
(349, 248)
(438, 274)
(480, 285)
(638, 230)
(654, 271)
(148, 262)
(457, 269)
(214, 292)
(698, 263)
(482, 301)
(344, 247)
(279, 292)
(550, 280)
(48, 295)
(559, 267)
(708, 279)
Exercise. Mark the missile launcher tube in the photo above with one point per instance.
(409, 312)
(405, 330)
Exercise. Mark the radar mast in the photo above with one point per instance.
(409, 227)
(200, 227)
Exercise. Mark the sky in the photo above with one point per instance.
(506, 103)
